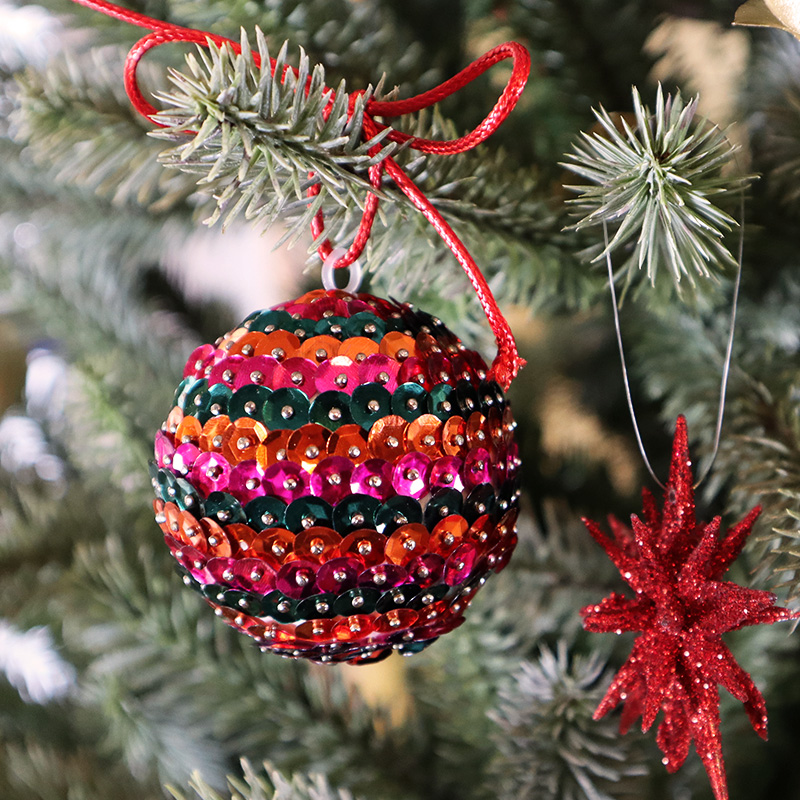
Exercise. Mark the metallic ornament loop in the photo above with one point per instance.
(328, 280)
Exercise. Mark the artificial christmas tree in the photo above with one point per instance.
(117, 681)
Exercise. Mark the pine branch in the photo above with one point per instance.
(255, 147)
(651, 183)
(549, 746)
(158, 661)
(83, 132)
(255, 138)
(501, 212)
(37, 770)
(774, 95)
(356, 41)
(759, 457)
(270, 784)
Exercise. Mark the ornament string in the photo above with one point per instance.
(507, 362)
(726, 366)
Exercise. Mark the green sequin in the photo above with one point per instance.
(365, 324)
(370, 403)
(286, 408)
(409, 401)
(357, 601)
(248, 402)
(307, 512)
(331, 409)
(224, 508)
(266, 512)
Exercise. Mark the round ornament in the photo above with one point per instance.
(338, 477)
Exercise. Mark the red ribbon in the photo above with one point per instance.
(507, 363)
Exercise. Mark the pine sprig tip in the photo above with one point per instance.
(649, 177)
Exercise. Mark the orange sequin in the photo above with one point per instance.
(212, 438)
(317, 630)
(217, 540)
(248, 345)
(308, 445)
(357, 348)
(189, 430)
(228, 342)
(448, 534)
(424, 435)
(366, 544)
(317, 544)
(349, 442)
(387, 438)
(241, 535)
(398, 345)
(242, 439)
(274, 448)
(320, 348)
(406, 543)
(279, 344)
(476, 430)
(274, 545)
(454, 437)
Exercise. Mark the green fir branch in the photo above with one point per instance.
(80, 128)
(759, 455)
(356, 41)
(256, 134)
(651, 184)
(497, 207)
(549, 747)
(269, 784)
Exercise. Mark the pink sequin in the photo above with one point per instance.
(477, 467)
(411, 475)
(246, 481)
(373, 477)
(460, 563)
(297, 579)
(221, 571)
(296, 373)
(379, 369)
(164, 450)
(338, 374)
(226, 370)
(331, 479)
(210, 473)
(286, 480)
(254, 575)
(339, 574)
(383, 576)
(184, 457)
(446, 473)
(426, 570)
(258, 370)
(198, 359)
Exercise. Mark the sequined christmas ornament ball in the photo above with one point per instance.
(337, 477)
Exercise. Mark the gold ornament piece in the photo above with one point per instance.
(783, 14)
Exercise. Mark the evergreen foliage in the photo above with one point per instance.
(144, 693)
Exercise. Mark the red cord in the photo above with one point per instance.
(507, 363)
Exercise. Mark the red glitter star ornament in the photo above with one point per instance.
(681, 609)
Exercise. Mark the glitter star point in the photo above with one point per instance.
(680, 609)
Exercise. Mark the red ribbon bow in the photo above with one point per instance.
(507, 363)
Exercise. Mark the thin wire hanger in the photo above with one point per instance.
(726, 368)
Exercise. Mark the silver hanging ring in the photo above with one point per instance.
(328, 280)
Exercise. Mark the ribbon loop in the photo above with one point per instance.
(507, 362)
